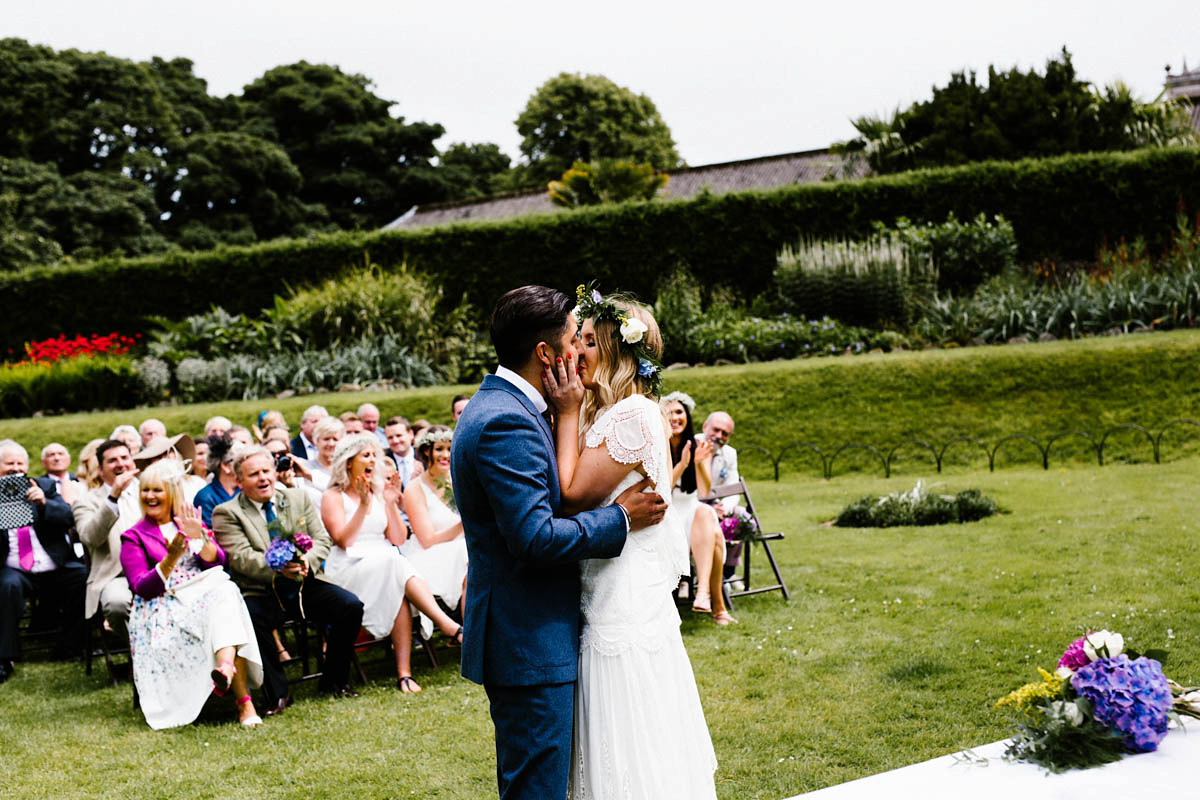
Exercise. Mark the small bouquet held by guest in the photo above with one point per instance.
(739, 526)
(1102, 702)
(285, 547)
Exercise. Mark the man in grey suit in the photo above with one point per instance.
(521, 626)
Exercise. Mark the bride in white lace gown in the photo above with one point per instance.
(639, 728)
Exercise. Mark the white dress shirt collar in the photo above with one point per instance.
(525, 387)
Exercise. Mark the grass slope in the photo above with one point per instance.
(985, 392)
(893, 649)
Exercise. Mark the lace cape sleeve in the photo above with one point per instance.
(628, 429)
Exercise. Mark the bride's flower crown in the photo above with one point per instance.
(630, 333)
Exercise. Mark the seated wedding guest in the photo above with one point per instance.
(217, 426)
(190, 635)
(101, 516)
(88, 471)
(57, 463)
(150, 429)
(304, 445)
(369, 414)
(224, 484)
(38, 557)
(351, 424)
(417, 426)
(437, 547)
(399, 437)
(267, 419)
(457, 405)
(130, 436)
(691, 460)
(718, 427)
(241, 435)
(363, 519)
(326, 433)
(179, 448)
(199, 466)
(290, 471)
(277, 433)
(273, 592)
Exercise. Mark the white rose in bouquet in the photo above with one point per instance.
(1103, 644)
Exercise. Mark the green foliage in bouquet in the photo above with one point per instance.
(916, 507)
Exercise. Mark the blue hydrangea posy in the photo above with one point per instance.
(630, 333)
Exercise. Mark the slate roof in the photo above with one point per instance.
(768, 172)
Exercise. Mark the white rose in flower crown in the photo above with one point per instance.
(632, 330)
(1103, 644)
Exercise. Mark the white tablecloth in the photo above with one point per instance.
(1171, 772)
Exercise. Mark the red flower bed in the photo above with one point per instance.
(60, 347)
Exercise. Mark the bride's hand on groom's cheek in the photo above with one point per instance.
(564, 390)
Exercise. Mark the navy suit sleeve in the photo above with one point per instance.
(511, 453)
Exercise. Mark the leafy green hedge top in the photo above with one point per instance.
(1062, 207)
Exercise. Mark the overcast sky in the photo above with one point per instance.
(733, 80)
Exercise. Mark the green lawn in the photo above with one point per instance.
(892, 650)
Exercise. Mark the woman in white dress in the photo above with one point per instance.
(692, 479)
(326, 435)
(639, 728)
(189, 631)
(437, 547)
(363, 520)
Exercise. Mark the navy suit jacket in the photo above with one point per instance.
(521, 625)
(52, 526)
(298, 448)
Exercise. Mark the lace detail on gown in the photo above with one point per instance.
(629, 430)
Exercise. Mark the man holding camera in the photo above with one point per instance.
(36, 557)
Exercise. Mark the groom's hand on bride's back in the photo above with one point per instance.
(644, 508)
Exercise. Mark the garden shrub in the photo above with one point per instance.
(916, 507)
(1063, 207)
(963, 254)
(80, 383)
(867, 282)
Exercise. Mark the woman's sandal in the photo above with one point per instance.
(221, 679)
(284, 656)
(457, 637)
(252, 721)
(724, 618)
(702, 603)
(406, 684)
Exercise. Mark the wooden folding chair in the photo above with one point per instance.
(763, 538)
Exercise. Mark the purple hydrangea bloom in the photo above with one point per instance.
(303, 541)
(1074, 657)
(1131, 697)
(279, 553)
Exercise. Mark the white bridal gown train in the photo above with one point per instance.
(639, 728)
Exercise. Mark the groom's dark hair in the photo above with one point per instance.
(525, 316)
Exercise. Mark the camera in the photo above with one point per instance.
(283, 462)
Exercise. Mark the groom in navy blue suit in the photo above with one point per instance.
(521, 623)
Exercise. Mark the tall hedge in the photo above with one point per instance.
(1060, 208)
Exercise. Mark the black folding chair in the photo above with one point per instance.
(763, 538)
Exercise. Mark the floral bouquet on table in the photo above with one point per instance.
(739, 526)
(1102, 702)
(286, 547)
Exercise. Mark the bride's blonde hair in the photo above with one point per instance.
(616, 369)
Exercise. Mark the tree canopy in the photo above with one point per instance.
(574, 117)
(103, 155)
(1015, 115)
